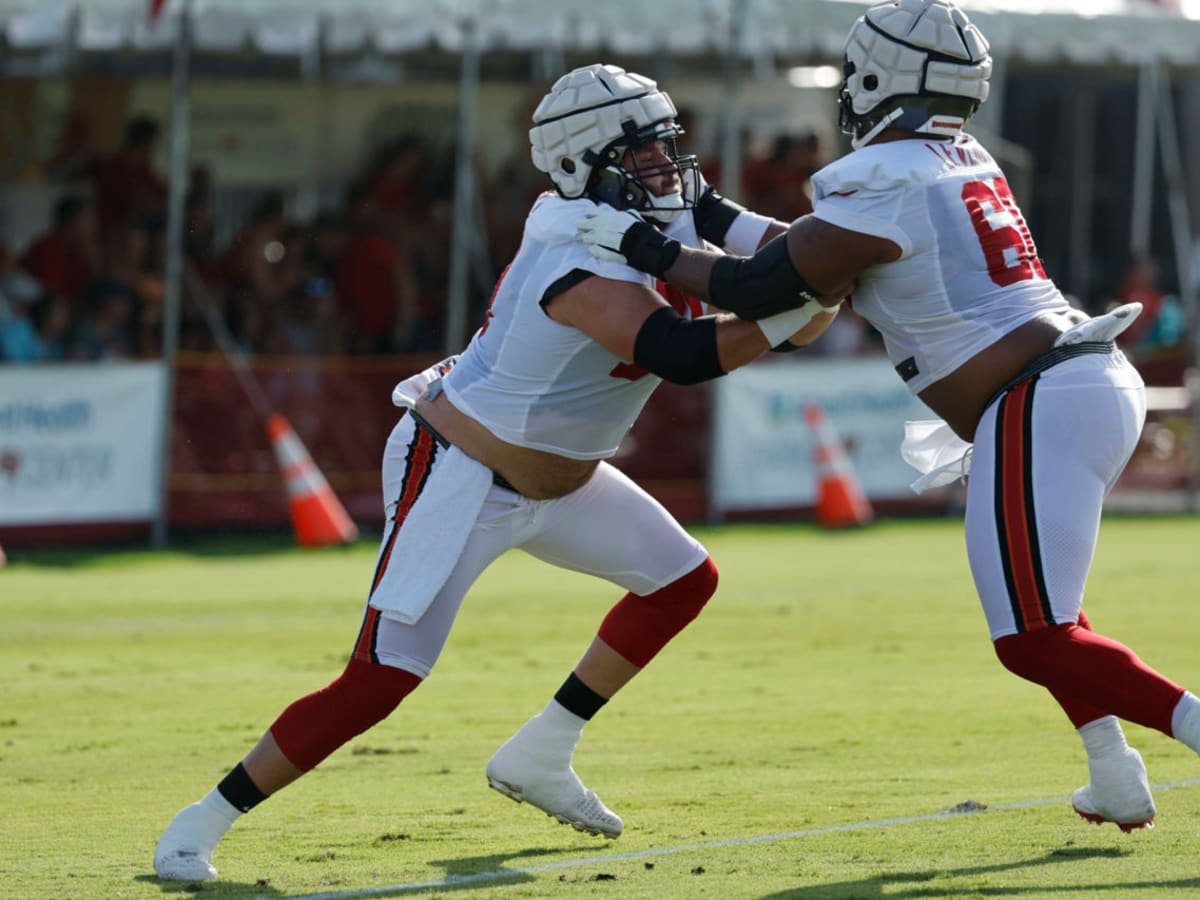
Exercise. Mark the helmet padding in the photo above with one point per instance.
(587, 121)
(915, 64)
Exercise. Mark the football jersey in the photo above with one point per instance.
(968, 272)
(537, 383)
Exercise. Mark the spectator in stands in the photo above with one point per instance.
(511, 189)
(106, 331)
(126, 185)
(1162, 322)
(309, 321)
(66, 258)
(375, 283)
(396, 189)
(33, 324)
(779, 186)
(258, 273)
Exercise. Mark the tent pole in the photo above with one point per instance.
(731, 121)
(1143, 160)
(462, 236)
(1181, 234)
(172, 300)
(1083, 179)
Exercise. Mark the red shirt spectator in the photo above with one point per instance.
(366, 282)
(128, 190)
(64, 259)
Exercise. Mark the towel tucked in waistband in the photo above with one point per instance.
(497, 479)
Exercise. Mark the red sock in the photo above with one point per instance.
(1079, 712)
(1094, 674)
(638, 627)
(314, 726)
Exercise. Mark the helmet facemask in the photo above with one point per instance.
(626, 187)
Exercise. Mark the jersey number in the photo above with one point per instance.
(1007, 245)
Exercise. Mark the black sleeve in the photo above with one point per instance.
(760, 285)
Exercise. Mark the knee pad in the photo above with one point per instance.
(363, 695)
(638, 627)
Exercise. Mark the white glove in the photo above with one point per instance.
(603, 229)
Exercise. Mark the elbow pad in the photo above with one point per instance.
(678, 350)
(761, 285)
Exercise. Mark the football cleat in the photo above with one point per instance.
(560, 794)
(1119, 792)
(183, 854)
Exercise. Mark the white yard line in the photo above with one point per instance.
(600, 859)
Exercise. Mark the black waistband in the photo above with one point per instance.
(497, 479)
(1050, 359)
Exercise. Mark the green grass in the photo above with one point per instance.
(837, 679)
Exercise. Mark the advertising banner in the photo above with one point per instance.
(80, 443)
(764, 450)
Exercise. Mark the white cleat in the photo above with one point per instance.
(558, 793)
(1119, 792)
(182, 853)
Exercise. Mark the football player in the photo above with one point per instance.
(922, 219)
(505, 445)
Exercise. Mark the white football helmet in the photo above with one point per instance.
(914, 64)
(583, 127)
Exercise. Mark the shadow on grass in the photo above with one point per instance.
(473, 871)
(467, 873)
(917, 884)
(220, 888)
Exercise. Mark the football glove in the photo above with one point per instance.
(620, 236)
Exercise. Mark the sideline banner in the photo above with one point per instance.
(80, 443)
(763, 450)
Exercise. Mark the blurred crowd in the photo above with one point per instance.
(367, 277)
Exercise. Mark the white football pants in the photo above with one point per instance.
(609, 527)
(1046, 454)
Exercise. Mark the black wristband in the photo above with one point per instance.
(649, 250)
(713, 216)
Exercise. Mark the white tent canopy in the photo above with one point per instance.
(785, 28)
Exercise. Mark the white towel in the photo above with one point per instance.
(410, 390)
(1101, 328)
(432, 537)
(932, 448)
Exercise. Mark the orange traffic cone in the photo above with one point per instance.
(317, 515)
(840, 498)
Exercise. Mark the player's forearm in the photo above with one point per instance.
(692, 271)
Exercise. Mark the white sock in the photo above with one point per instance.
(1185, 720)
(553, 733)
(1103, 737)
(219, 816)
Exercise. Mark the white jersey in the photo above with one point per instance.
(968, 272)
(537, 383)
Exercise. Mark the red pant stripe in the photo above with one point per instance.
(1016, 522)
(422, 451)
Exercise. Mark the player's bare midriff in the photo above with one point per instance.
(960, 397)
(536, 474)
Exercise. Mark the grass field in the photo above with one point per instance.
(799, 740)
